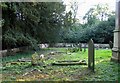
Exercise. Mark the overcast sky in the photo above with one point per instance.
(85, 5)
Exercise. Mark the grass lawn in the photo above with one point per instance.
(105, 70)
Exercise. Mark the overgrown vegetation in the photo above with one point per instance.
(105, 70)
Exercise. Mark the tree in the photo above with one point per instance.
(35, 21)
(100, 33)
(90, 17)
(74, 9)
(98, 13)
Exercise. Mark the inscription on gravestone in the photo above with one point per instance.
(91, 55)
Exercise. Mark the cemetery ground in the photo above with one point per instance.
(105, 70)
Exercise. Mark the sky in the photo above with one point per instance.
(85, 5)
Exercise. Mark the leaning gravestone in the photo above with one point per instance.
(91, 55)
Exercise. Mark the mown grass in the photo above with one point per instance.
(105, 70)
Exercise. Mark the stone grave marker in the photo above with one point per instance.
(80, 46)
(97, 47)
(85, 47)
(110, 44)
(91, 60)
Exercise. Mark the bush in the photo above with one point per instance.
(8, 40)
(12, 39)
(100, 32)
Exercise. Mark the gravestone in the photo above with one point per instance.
(97, 47)
(91, 55)
(80, 46)
(110, 44)
(85, 47)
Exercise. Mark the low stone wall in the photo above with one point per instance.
(104, 46)
(4, 53)
(13, 51)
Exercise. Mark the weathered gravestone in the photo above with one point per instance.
(80, 46)
(85, 47)
(110, 44)
(97, 47)
(91, 55)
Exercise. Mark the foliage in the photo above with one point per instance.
(41, 22)
(101, 32)
(99, 26)
(17, 39)
(34, 60)
(25, 24)
(99, 12)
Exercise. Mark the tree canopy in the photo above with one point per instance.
(30, 23)
(24, 22)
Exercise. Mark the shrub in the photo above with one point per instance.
(12, 39)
